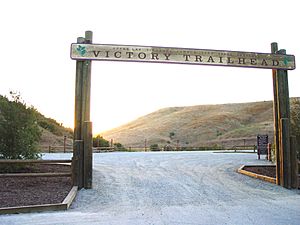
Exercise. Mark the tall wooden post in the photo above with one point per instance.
(88, 154)
(274, 49)
(82, 149)
(285, 153)
(294, 163)
(77, 175)
(77, 141)
(283, 107)
(78, 96)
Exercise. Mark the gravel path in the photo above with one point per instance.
(162, 188)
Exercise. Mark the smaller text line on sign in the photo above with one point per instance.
(181, 56)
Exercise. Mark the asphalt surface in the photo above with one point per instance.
(173, 188)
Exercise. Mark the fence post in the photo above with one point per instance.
(65, 139)
(269, 151)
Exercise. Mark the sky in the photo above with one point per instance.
(35, 53)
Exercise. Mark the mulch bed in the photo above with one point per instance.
(24, 191)
(269, 171)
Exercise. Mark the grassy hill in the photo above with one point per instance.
(204, 125)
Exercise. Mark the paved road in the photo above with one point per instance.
(186, 188)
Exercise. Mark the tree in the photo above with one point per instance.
(99, 141)
(19, 132)
(119, 147)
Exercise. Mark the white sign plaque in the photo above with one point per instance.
(181, 56)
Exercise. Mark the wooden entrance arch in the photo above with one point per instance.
(84, 51)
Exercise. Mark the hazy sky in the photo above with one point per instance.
(35, 53)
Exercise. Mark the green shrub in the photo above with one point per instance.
(154, 147)
(19, 131)
(120, 147)
(99, 141)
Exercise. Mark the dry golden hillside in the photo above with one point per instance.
(204, 125)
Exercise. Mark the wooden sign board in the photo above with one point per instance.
(181, 56)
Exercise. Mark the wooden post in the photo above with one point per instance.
(65, 139)
(78, 96)
(269, 151)
(77, 164)
(88, 154)
(78, 143)
(86, 83)
(81, 149)
(86, 134)
(274, 49)
(283, 107)
(285, 153)
(294, 163)
(283, 92)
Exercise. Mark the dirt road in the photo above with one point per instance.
(173, 188)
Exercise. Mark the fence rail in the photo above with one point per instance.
(47, 174)
(30, 161)
(244, 147)
(56, 148)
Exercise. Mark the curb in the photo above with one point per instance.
(255, 175)
(45, 207)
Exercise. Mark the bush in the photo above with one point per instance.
(119, 147)
(99, 141)
(154, 147)
(19, 132)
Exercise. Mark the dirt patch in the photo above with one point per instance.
(24, 191)
(269, 171)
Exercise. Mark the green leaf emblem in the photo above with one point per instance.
(286, 61)
(81, 50)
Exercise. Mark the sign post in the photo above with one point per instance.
(274, 49)
(83, 127)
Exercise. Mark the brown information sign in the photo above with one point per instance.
(262, 144)
(181, 56)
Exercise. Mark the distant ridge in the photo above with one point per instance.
(203, 125)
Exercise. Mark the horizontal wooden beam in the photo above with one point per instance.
(71, 196)
(255, 175)
(33, 208)
(18, 161)
(36, 175)
(44, 207)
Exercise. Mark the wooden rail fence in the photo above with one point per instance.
(53, 174)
